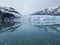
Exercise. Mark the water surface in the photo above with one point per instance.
(29, 31)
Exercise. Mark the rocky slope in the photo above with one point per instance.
(9, 13)
(49, 11)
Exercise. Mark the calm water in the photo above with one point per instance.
(30, 30)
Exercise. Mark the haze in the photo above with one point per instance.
(26, 7)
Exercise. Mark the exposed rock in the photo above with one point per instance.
(8, 13)
(49, 11)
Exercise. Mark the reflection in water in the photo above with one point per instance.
(9, 26)
(25, 33)
(46, 22)
(49, 27)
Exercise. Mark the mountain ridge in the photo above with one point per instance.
(49, 11)
(8, 12)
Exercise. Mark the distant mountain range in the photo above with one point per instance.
(49, 11)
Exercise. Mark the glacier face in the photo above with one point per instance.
(44, 20)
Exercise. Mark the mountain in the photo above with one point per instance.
(49, 11)
(8, 12)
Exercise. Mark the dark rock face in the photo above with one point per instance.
(49, 11)
(8, 13)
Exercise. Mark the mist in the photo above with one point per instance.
(26, 7)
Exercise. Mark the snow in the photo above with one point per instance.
(55, 10)
(10, 10)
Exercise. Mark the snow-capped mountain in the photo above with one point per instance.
(9, 10)
(49, 11)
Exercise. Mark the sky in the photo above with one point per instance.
(26, 7)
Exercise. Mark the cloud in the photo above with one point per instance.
(29, 6)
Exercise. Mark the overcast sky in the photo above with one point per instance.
(29, 6)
